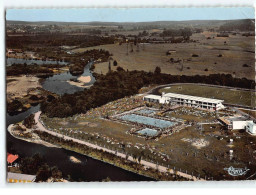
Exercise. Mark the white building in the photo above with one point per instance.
(186, 100)
(251, 128)
(237, 123)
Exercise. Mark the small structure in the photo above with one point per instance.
(171, 51)
(11, 158)
(238, 123)
(186, 100)
(20, 178)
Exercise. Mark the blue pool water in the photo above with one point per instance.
(146, 111)
(148, 132)
(147, 120)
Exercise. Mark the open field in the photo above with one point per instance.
(229, 96)
(194, 149)
(17, 86)
(237, 51)
(250, 112)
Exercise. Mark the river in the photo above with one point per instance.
(58, 83)
(89, 169)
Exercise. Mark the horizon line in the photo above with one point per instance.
(131, 21)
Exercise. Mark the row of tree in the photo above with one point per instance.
(185, 33)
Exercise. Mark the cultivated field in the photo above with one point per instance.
(230, 96)
(235, 51)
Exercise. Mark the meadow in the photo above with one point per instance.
(229, 55)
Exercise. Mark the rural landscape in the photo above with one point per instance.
(130, 101)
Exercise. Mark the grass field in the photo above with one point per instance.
(237, 51)
(230, 96)
(250, 112)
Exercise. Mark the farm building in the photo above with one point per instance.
(20, 178)
(186, 100)
(237, 123)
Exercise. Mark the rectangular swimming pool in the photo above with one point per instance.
(147, 120)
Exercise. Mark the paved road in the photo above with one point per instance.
(40, 127)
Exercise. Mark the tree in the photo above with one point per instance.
(43, 173)
(115, 63)
(186, 33)
(157, 70)
(109, 66)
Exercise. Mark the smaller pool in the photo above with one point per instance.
(146, 111)
(147, 132)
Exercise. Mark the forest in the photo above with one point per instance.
(53, 40)
(241, 25)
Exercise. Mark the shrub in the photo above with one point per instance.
(115, 63)
(195, 55)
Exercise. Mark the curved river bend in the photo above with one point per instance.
(89, 169)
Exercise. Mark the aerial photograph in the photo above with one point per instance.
(130, 94)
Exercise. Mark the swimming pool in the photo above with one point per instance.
(147, 120)
(147, 132)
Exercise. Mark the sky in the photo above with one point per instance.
(130, 14)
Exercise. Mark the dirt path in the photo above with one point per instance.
(40, 126)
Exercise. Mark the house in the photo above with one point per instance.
(11, 158)
(20, 178)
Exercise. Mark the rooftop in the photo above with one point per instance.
(195, 98)
(11, 158)
(19, 176)
(158, 97)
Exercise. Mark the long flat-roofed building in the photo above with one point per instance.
(186, 100)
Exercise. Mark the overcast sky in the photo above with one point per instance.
(129, 15)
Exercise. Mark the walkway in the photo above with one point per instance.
(40, 127)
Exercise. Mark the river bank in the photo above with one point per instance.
(34, 137)
(37, 139)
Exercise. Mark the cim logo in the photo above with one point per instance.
(236, 171)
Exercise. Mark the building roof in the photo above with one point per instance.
(157, 97)
(11, 158)
(195, 98)
(239, 118)
(229, 120)
(20, 176)
(224, 120)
